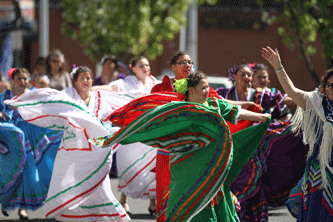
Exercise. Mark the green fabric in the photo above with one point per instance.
(223, 211)
(245, 143)
(199, 140)
(226, 110)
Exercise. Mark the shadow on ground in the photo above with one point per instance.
(133, 216)
(142, 216)
(33, 220)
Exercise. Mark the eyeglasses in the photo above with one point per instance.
(182, 63)
(329, 85)
(56, 61)
(248, 74)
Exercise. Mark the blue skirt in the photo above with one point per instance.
(27, 154)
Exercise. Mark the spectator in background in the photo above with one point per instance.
(42, 82)
(40, 69)
(56, 71)
(4, 85)
(109, 71)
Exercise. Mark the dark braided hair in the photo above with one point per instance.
(193, 80)
(79, 70)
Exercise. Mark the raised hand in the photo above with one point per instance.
(272, 57)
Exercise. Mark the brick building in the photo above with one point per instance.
(229, 33)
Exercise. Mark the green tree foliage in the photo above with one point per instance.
(302, 21)
(124, 26)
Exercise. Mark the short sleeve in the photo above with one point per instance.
(227, 111)
(165, 85)
(270, 100)
(213, 93)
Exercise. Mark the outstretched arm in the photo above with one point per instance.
(243, 104)
(252, 116)
(105, 88)
(273, 58)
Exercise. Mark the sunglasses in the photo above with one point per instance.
(56, 61)
(329, 85)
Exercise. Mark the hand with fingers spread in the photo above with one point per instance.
(272, 57)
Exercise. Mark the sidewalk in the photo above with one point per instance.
(139, 210)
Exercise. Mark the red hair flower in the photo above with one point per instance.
(10, 73)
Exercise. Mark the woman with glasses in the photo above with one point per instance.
(279, 161)
(314, 118)
(56, 71)
(182, 65)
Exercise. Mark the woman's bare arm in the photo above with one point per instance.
(273, 58)
(252, 116)
(243, 104)
(289, 101)
(105, 88)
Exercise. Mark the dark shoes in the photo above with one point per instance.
(5, 213)
(23, 215)
(152, 210)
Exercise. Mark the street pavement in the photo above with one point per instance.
(139, 210)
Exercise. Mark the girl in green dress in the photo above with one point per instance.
(192, 127)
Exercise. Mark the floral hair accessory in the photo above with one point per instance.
(252, 66)
(74, 70)
(181, 85)
(10, 73)
(130, 66)
(232, 72)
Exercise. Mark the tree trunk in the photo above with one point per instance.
(301, 46)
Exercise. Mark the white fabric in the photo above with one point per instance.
(135, 161)
(80, 186)
(134, 164)
(307, 120)
(131, 83)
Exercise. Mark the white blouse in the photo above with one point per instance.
(131, 83)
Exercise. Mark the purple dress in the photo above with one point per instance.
(275, 168)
